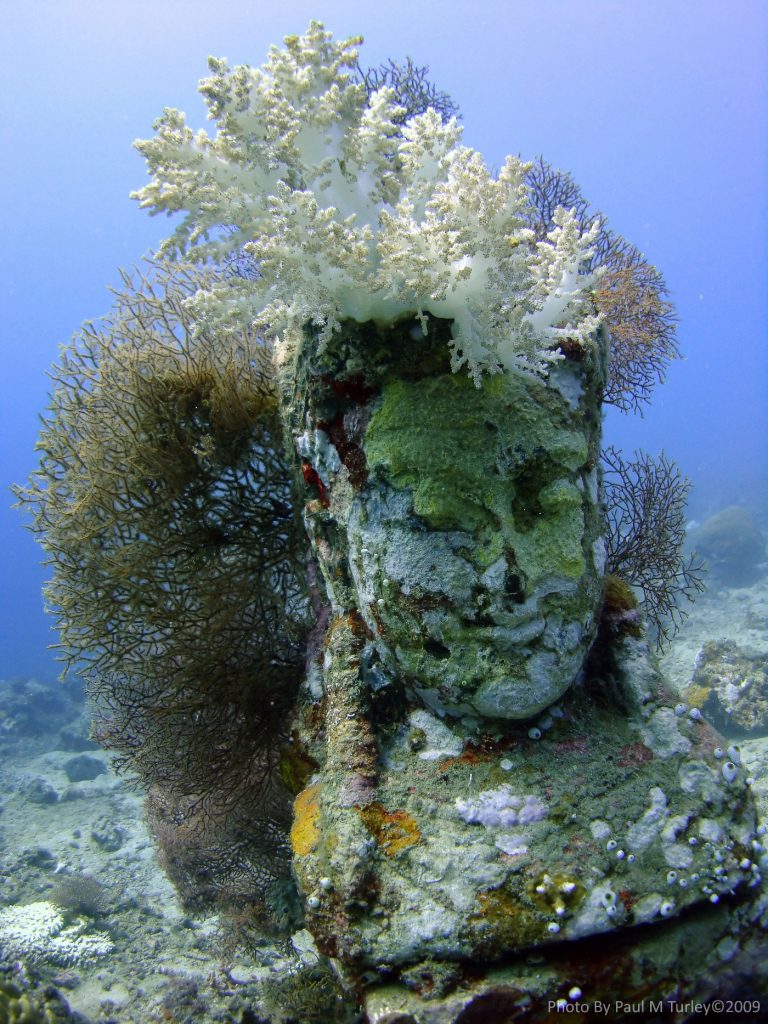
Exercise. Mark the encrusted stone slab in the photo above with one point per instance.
(656, 973)
(612, 810)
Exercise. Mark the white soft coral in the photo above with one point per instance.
(350, 216)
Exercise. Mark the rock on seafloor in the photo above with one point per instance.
(730, 686)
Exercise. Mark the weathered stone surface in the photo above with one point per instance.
(461, 523)
(520, 842)
(472, 548)
(655, 974)
(493, 819)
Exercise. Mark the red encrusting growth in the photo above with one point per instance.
(351, 454)
(312, 479)
(353, 389)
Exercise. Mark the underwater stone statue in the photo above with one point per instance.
(388, 258)
(457, 540)
(489, 772)
(460, 523)
(471, 803)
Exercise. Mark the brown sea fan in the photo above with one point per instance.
(164, 502)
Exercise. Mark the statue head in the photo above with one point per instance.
(465, 508)
(461, 521)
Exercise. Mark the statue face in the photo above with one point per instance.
(475, 545)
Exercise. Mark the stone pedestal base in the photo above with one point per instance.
(609, 851)
(656, 973)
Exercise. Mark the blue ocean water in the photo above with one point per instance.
(657, 109)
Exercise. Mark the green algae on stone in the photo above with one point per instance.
(503, 921)
(481, 510)
(470, 456)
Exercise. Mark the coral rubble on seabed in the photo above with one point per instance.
(162, 964)
(739, 614)
(728, 619)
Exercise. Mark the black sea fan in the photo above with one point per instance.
(80, 894)
(645, 501)
(164, 501)
(413, 89)
(630, 293)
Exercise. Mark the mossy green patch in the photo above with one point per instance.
(501, 461)
(296, 765)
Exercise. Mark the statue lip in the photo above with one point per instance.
(508, 637)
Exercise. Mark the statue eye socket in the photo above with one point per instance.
(436, 649)
(513, 587)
